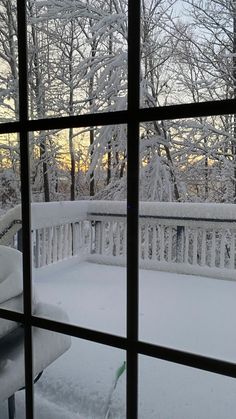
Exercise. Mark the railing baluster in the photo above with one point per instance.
(195, 242)
(179, 239)
(161, 241)
(110, 238)
(91, 237)
(49, 252)
(76, 238)
(146, 242)
(37, 249)
(54, 245)
(124, 239)
(203, 248)
(103, 238)
(169, 254)
(222, 249)
(80, 235)
(182, 244)
(43, 248)
(60, 242)
(63, 240)
(140, 238)
(118, 239)
(154, 242)
(98, 237)
(67, 240)
(70, 240)
(213, 249)
(186, 249)
(232, 250)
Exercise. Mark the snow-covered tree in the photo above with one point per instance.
(78, 64)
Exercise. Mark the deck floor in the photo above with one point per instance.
(186, 312)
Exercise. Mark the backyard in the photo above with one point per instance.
(193, 313)
(118, 150)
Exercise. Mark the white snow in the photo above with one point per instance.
(8, 217)
(48, 346)
(186, 312)
(11, 285)
(10, 273)
(10, 223)
(15, 304)
(56, 213)
(168, 209)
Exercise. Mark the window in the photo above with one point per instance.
(133, 116)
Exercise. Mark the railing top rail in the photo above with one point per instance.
(58, 213)
(168, 210)
(162, 217)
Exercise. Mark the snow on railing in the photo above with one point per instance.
(59, 231)
(176, 237)
(10, 224)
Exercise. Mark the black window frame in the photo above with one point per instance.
(132, 117)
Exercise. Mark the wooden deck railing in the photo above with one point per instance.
(175, 237)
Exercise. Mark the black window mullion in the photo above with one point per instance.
(25, 198)
(132, 207)
(133, 116)
(187, 110)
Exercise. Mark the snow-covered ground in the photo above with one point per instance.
(187, 312)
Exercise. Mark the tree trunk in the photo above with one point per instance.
(91, 133)
(43, 158)
(110, 48)
(71, 112)
(13, 60)
(109, 163)
(40, 101)
(91, 183)
(72, 167)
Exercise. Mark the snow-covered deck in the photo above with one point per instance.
(187, 312)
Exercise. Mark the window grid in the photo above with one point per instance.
(25, 208)
(132, 117)
(132, 263)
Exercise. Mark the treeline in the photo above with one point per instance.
(77, 63)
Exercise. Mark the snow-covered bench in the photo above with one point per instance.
(47, 345)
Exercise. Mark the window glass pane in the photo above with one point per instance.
(79, 237)
(12, 376)
(10, 190)
(174, 391)
(77, 57)
(87, 381)
(187, 51)
(187, 235)
(8, 62)
(11, 284)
